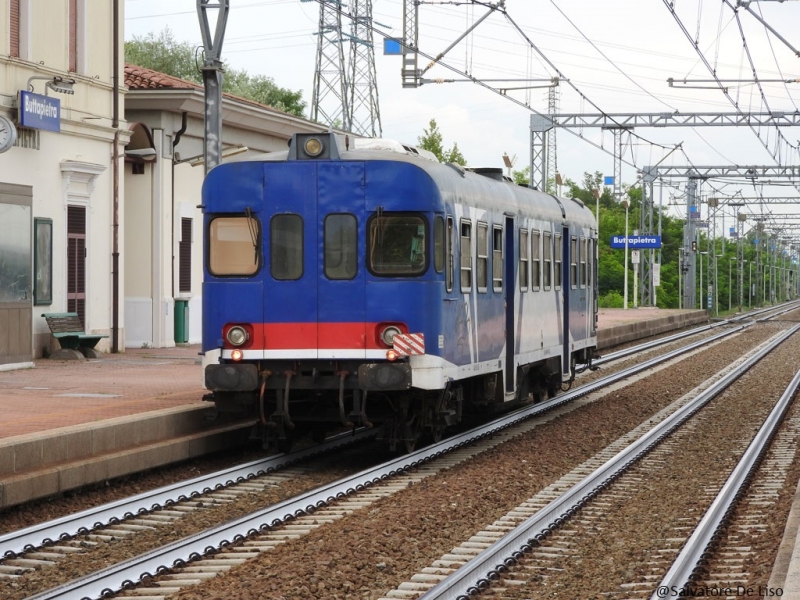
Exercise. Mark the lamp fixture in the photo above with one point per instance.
(61, 85)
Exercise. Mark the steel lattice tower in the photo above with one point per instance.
(365, 114)
(329, 101)
(552, 156)
(346, 93)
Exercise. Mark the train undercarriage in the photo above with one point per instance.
(296, 398)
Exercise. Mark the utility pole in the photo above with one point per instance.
(212, 77)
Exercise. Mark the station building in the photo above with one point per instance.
(100, 177)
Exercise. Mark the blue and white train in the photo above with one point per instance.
(364, 283)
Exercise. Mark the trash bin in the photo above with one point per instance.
(181, 321)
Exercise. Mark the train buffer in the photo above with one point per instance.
(68, 330)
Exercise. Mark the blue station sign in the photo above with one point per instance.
(39, 112)
(637, 242)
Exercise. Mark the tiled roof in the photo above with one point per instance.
(139, 78)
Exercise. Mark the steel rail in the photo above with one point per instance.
(30, 538)
(476, 575)
(681, 574)
(606, 358)
(130, 572)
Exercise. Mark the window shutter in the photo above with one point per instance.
(185, 257)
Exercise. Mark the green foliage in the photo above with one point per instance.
(432, 141)
(522, 177)
(162, 53)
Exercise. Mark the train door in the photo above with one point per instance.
(341, 278)
(290, 273)
(563, 279)
(510, 288)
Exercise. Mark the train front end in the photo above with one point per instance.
(318, 269)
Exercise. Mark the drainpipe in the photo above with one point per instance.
(115, 171)
(175, 141)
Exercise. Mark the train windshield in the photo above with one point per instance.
(396, 244)
(233, 246)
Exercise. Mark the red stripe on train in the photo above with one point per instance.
(300, 336)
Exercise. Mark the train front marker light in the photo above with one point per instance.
(314, 146)
(237, 355)
(237, 336)
(391, 355)
(387, 335)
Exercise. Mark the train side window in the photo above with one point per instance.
(557, 262)
(584, 256)
(233, 246)
(497, 258)
(286, 247)
(450, 266)
(341, 246)
(523, 260)
(573, 262)
(536, 260)
(482, 266)
(547, 251)
(466, 255)
(438, 244)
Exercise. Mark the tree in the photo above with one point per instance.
(432, 141)
(180, 59)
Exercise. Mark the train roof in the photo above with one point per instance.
(471, 186)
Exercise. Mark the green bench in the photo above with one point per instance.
(68, 330)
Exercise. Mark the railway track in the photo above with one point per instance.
(298, 526)
(553, 537)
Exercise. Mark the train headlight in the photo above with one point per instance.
(314, 146)
(387, 335)
(237, 336)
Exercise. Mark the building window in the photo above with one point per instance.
(14, 29)
(482, 266)
(73, 36)
(185, 257)
(523, 259)
(497, 258)
(466, 256)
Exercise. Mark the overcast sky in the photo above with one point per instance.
(617, 56)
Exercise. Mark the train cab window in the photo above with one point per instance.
(438, 244)
(286, 247)
(466, 255)
(573, 262)
(449, 263)
(341, 246)
(536, 260)
(497, 258)
(523, 260)
(233, 246)
(558, 253)
(482, 266)
(397, 244)
(584, 256)
(547, 253)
